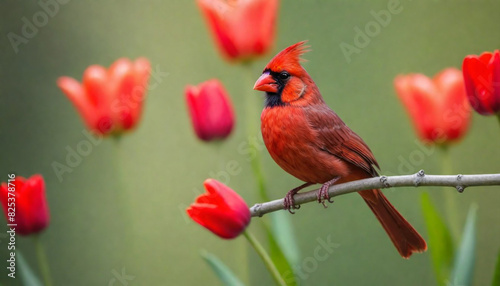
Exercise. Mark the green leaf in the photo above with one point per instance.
(279, 259)
(496, 275)
(440, 243)
(28, 277)
(463, 268)
(282, 229)
(225, 274)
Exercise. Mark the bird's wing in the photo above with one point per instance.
(336, 138)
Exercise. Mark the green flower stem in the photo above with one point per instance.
(450, 197)
(498, 117)
(126, 222)
(252, 117)
(265, 257)
(42, 261)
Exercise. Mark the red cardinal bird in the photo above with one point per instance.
(310, 141)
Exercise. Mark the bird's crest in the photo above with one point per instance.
(289, 59)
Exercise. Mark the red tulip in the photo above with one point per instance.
(26, 199)
(220, 210)
(242, 29)
(482, 82)
(438, 107)
(210, 109)
(109, 101)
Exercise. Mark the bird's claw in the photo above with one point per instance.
(289, 204)
(323, 195)
(324, 200)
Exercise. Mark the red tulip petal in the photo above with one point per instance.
(485, 58)
(269, 12)
(418, 94)
(230, 198)
(77, 95)
(109, 100)
(211, 197)
(478, 83)
(95, 82)
(119, 68)
(455, 108)
(253, 26)
(32, 211)
(216, 105)
(220, 221)
(221, 210)
(123, 103)
(99, 86)
(18, 184)
(131, 87)
(192, 93)
(245, 26)
(42, 214)
(438, 107)
(241, 29)
(210, 110)
(218, 13)
(37, 211)
(495, 81)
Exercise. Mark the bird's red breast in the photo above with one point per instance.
(295, 146)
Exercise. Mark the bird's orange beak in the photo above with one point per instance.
(266, 83)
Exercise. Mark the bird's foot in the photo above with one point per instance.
(289, 202)
(323, 195)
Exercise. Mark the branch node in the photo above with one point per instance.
(419, 177)
(384, 180)
(257, 209)
(459, 187)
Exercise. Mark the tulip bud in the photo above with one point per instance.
(482, 82)
(210, 109)
(220, 210)
(25, 204)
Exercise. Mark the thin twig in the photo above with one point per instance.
(459, 182)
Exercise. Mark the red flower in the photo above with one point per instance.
(210, 109)
(109, 101)
(482, 82)
(438, 107)
(242, 29)
(26, 199)
(220, 210)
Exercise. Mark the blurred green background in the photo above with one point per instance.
(123, 206)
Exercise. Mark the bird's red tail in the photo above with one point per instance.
(406, 239)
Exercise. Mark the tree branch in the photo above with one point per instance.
(460, 182)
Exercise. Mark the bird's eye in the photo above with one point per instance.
(284, 75)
